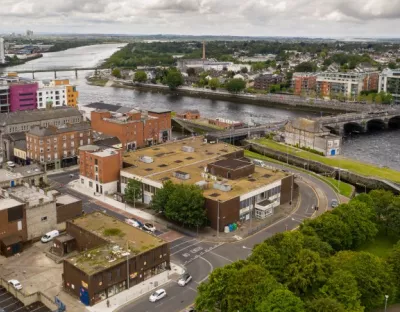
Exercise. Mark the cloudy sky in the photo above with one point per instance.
(332, 18)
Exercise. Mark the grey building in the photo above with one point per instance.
(32, 175)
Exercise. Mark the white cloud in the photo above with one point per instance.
(224, 17)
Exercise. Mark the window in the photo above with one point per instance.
(65, 153)
(109, 276)
(40, 142)
(55, 156)
(65, 145)
(44, 219)
(48, 141)
(82, 181)
(73, 152)
(72, 136)
(49, 157)
(41, 159)
(41, 150)
(81, 142)
(72, 144)
(81, 135)
(48, 149)
(96, 168)
(88, 141)
(96, 161)
(90, 184)
(64, 137)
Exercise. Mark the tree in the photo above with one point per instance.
(372, 274)
(392, 65)
(186, 205)
(213, 83)
(236, 85)
(304, 67)
(324, 305)
(381, 199)
(191, 72)
(314, 243)
(133, 191)
(244, 70)
(258, 66)
(173, 79)
(116, 73)
(140, 76)
(392, 217)
(161, 197)
(342, 286)
(281, 301)
(394, 261)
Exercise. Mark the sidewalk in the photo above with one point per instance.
(62, 170)
(142, 289)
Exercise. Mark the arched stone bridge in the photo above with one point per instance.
(362, 122)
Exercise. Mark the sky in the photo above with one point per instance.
(309, 18)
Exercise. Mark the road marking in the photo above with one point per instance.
(211, 252)
(182, 243)
(212, 269)
(185, 248)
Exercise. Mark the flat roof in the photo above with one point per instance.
(7, 203)
(231, 163)
(106, 152)
(123, 240)
(66, 199)
(28, 194)
(171, 157)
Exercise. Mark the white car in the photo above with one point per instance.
(185, 279)
(134, 222)
(149, 227)
(157, 295)
(14, 283)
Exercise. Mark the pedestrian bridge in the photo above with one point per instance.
(362, 122)
(55, 70)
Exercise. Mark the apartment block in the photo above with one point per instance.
(56, 93)
(304, 83)
(4, 98)
(371, 82)
(389, 81)
(263, 82)
(23, 96)
(99, 169)
(57, 147)
(135, 129)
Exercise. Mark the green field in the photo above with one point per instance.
(344, 188)
(340, 162)
(381, 246)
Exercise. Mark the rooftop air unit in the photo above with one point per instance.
(181, 175)
(222, 187)
(146, 159)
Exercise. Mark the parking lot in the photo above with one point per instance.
(10, 304)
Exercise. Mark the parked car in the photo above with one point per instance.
(49, 236)
(134, 222)
(334, 203)
(149, 227)
(157, 295)
(185, 279)
(10, 164)
(16, 284)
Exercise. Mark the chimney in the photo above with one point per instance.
(204, 50)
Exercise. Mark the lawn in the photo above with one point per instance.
(344, 188)
(381, 246)
(340, 162)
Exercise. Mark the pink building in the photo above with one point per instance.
(23, 96)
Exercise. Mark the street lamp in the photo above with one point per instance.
(386, 299)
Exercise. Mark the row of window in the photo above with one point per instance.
(50, 157)
(265, 195)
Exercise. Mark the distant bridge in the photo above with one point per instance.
(362, 122)
(55, 70)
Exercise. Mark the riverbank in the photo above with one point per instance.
(271, 100)
(20, 61)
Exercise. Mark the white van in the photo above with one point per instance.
(49, 236)
(258, 162)
(10, 164)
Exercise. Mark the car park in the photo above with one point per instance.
(157, 295)
(149, 227)
(15, 283)
(184, 279)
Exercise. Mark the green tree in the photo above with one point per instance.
(116, 72)
(236, 85)
(133, 191)
(325, 305)
(186, 205)
(372, 274)
(244, 70)
(394, 261)
(213, 83)
(162, 196)
(140, 76)
(314, 243)
(191, 72)
(258, 66)
(304, 67)
(281, 301)
(342, 286)
(392, 65)
(392, 217)
(173, 79)
(382, 200)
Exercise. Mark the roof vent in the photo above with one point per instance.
(181, 175)
(146, 159)
(222, 187)
(188, 149)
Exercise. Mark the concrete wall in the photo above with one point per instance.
(36, 225)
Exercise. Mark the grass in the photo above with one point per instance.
(112, 232)
(355, 166)
(380, 247)
(344, 188)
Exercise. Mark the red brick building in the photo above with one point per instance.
(189, 114)
(303, 83)
(134, 129)
(371, 82)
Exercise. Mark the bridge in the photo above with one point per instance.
(362, 122)
(55, 70)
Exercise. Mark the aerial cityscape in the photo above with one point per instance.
(182, 156)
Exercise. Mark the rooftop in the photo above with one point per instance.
(110, 107)
(52, 130)
(159, 111)
(29, 195)
(170, 156)
(19, 172)
(123, 240)
(7, 203)
(66, 199)
(106, 152)
(231, 163)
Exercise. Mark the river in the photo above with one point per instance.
(380, 148)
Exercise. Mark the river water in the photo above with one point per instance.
(381, 148)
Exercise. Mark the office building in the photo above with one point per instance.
(233, 187)
(57, 147)
(135, 129)
(389, 81)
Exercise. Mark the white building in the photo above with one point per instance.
(389, 81)
(2, 52)
(347, 84)
(48, 92)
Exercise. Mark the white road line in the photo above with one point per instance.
(212, 269)
(185, 248)
(182, 243)
(211, 252)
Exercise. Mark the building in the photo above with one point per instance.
(23, 96)
(264, 82)
(11, 143)
(371, 81)
(304, 83)
(113, 256)
(230, 182)
(306, 133)
(190, 114)
(56, 93)
(57, 147)
(99, 169)
(226, 123)
(4, 97)
(134, 129)
(389, 81)
(2, 52)
(116, 109)
(31, 175)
